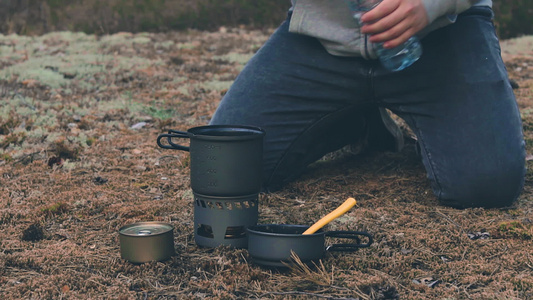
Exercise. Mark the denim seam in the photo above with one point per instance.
(523, 183)
(431, 166)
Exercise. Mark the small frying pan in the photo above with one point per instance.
(271, 245)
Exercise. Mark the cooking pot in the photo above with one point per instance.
(271, 245)
(225, 160)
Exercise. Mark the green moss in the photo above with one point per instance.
(529, 169)
(184, 90)
(215, 85)
(69, 165)
(8, 122)
(234, 57)
(90, 141)
(6, 157)
(140, 39)
(165, 44)
(159, 113)
(15, 138)
(37, 133)
(516, 229)
(55, 209)
(53, 136)
(529, 143)
(186, 46)
(66, 59)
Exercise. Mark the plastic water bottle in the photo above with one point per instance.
(394, 59)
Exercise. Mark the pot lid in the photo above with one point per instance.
(227, 132)
(146, 229)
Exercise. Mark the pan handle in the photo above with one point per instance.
(170, 135)
(352, 235)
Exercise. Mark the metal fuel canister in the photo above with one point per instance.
(146, 241)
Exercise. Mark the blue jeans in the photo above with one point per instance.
(457, 100)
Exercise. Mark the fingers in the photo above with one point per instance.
(394, 21)
(394, 36)
(396, 41)
(380, 11)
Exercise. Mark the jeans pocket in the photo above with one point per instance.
(480, 11)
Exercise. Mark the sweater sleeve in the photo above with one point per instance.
(439, 8)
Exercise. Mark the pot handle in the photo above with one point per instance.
(353, 235)
(173, 134)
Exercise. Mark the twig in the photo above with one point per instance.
(529, 261)
(449, 220)
(387, 277)
(464, 254)
(499, 253)
(495, 270)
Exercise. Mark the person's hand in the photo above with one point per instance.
(394, 21)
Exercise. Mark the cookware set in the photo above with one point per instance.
(225, 170)
(226, 176)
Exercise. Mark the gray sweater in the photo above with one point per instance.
(331, 22)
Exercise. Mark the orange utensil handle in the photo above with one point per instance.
(339, 211)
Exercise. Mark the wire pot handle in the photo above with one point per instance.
(169, 136)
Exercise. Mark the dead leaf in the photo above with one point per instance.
(429, 281)
(30, 82)
(479, 235)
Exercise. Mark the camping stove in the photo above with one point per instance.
(223, 220)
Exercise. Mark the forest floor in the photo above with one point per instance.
(79, 119)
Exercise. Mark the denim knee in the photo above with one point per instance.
(493, 187)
